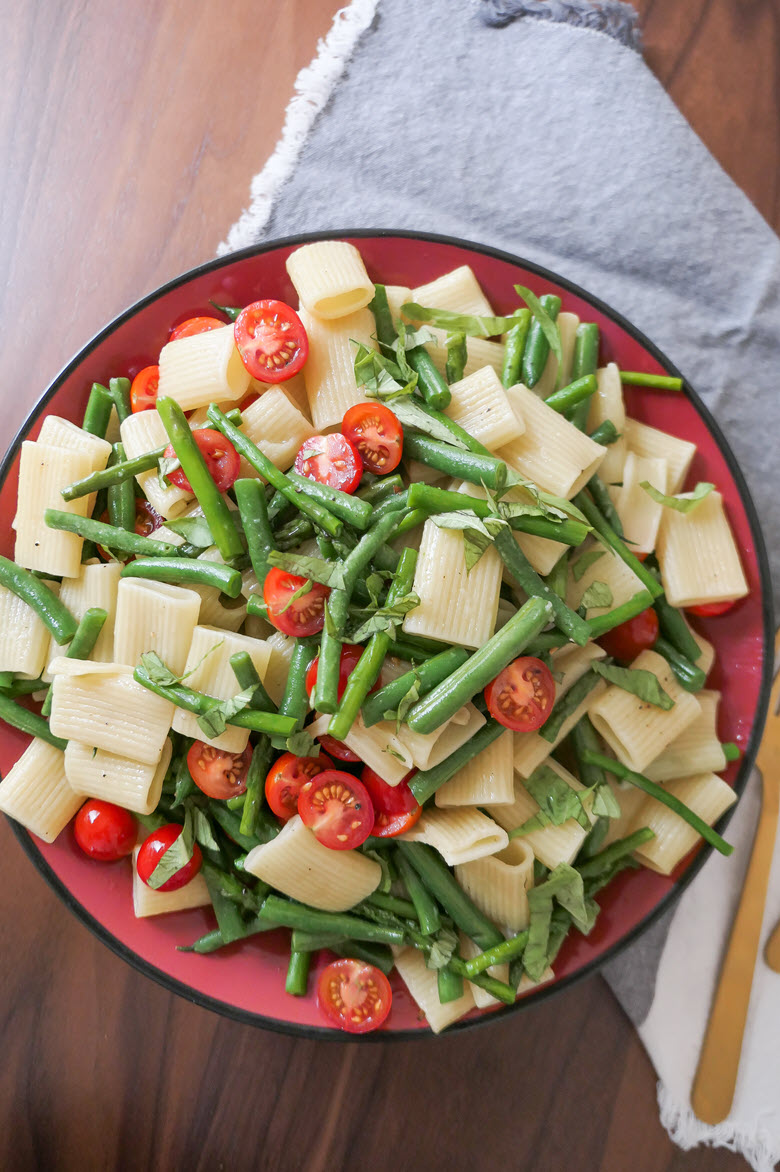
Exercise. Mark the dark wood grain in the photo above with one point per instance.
(128, 136)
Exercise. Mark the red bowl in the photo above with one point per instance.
(246, 981)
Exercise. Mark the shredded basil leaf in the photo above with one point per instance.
(394, 753)
(307, 566)
(564, 886)
(166, 465)
(540, 314)
(585, 561)
(457, 357)
(302, 744)
(378, 375)
(597, 594)
(683, 504)
(160, 673)
(201, 826)
(214, 722)
(605, 804)
(478, 533)
(195, 530)
(556, 799)
(176, 856)
(410, 414)
(462, 323)
(386, 882)
(443, 946)
(386, 618)
(299, 593)
(637, 681)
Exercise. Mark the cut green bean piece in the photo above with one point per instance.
(675, 629)
(662, 795)
(566, 619)
(605, 434)
(600, 624)
(349, 508)
(426, 675)
(28, 722)
(262, 755)
(82, 643)
(575, 394)
(609, 537)
(471, 466)
(289, 914)
(600, 493)
(295, 700)
(108, 535)
(199, 704)
(185, 571)
(121, 497)
(567, 706)
(119, 390)
(430, 382)
(450, 985)
(499, 954)
(379, 306)
(661, 382)
(297, 979)
(253, 510)
(32, 590)
(98, 412)
(425, 906)
(514, 349)
(247, 677)
(436, 876)
(585, 362)
(537, 347)
(731, 751)
(691, 677)
(231, 311)
(374, 494)
(392, 903)
(425, 783)
(431, 499)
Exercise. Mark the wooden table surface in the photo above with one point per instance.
(129, 134)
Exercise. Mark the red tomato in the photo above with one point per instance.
(216, 772)
(632, 637)
(710, 609)
(195, 325)
(354, 995)
(396, 809)
(377, 435)
(155, 846)
(285, 778)
(143, 391)
(336, 806)
(300, 616)
(350, 654)
(104, 831)
(337, 749)
(522, 695)
(222, 460)
(331, 460)
(271, 341)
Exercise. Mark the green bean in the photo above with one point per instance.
(431, 499)
(119, 390)
(410, 521)
(404, 649)
(425, 906)
(213, 940)
(514, 348)
(185, 571)
(600, 624)
(121, 497)
(567, 706)
(425, 783)
(392, 903)
(602, 863)
(566, 619)
(256, 606)
(379, 955)
(367, 670)
(230, 822)
(82, 643)
(312, 509)
(199, 704)
(609, 537)
(661, 382)
(98, 412)
(731, 751)
(471, 466)
(297, 979)
(499, 954)
(295, 701)
(448, 697)
(537, 348)
(247, 677)
(29, 722)
(289, 914)
(691, 677)
(108, 536)
(498, 989)
(252, 508)
(547, 641)
(293, 534)
(7, 679)
(430, 382)
(576, 394)
(600, 493)
(584, 739)
(606, 433)
(349, 508)
(449, 984)
(426, 675)
(238, 801)
(325, 695)
(385, 330)
(675, 629)
(393, 504)
(585, 362)
(456, 431)
(215, 509)
(661, 795)
(32, 590)
(380, 490)
(436, 876)
(457, 357)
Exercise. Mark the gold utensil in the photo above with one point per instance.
(716, 1076)
(772, 950)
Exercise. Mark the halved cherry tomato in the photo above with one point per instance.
(377, 435)
(222, 460)
(143, 390)
(632, 637)
(300, 616)
(216, 772)
(285, 778)
(271, 340)
(522, 695)
(350, 654)
(354, 995)
(195, 325)
(337, 807)
(338, 749)
(147, 520)
(155, 846)
(396, 809)
(331, 460)
(104, 831)
(710, 609)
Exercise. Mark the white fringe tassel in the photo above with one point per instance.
(758, 1147)
(313, 86)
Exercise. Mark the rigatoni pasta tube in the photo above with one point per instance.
(706, 794)
(330, 278)
(459, 291)
(423, 985)
(203, 368)
(153, 616)
(299, 866)
(481, 407)
(144, 432)
(43, 472)
(329, 372)
(35, 792)
(487, 779)
(554, 454)
(550, 844)
(276, 426)
(24, 638)
(698, 555)
(131, 784)
(498, 887)
(459, 835)
(696, 750)
(649, 441)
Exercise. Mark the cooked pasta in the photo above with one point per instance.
(202, 369)
(154, 616)
(36, 793)
(134, 785)
(459, 835)
(488, 779)
(481, 407)
(329, 372)
(43, 472)
(330, 278)
(698, 555)
(707, 795)
(552, 453)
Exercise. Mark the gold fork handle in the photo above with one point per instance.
(772, 950)
(716, 1076)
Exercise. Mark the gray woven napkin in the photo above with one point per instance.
(537, 128)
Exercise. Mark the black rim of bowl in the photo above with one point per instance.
(247, 1017)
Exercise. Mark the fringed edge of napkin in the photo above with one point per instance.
(613, 17)
(313, 86)
(756, 1146)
